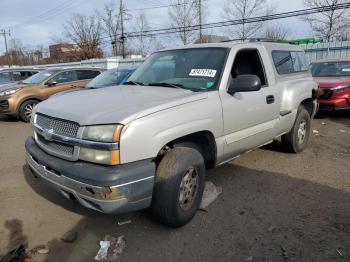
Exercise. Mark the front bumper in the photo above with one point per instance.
(107, 189)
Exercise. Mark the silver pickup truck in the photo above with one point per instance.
(149, 142)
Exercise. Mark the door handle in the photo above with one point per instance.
(270, 99)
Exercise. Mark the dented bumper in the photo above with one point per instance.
(106, 189)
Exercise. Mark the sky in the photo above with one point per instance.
(34, 22)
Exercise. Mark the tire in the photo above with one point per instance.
(173, 203)
(26, 109)
(296, 140)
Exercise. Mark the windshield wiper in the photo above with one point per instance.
(133, 83)
(167, 85)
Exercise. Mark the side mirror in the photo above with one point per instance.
(51, 83)
(244, 83)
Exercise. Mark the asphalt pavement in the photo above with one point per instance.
(275, 206)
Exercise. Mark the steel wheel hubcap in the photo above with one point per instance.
(28, 110)
(302, 132)
(188, 189)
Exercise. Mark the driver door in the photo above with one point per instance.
(249, 117)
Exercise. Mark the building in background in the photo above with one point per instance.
(62, 53)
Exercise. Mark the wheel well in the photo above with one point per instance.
(309, 105)
(202, 141)
(25, 100)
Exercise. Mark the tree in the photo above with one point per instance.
(183, 14)
(276, 32)
(330, 24)
(22, 56)
(142, 43)
(242, 10)
(110, 25)
(85, 32)
(16, 51)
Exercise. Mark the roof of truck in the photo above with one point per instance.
(268, 45)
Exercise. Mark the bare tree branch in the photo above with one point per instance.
(111, 26)
(144, 44)
(244, 9)
(331, 24)
(276, 32)
(85, 32)
(183, 14)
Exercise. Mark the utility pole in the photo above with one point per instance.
(122, 37)
(4, 33)
(200, 20)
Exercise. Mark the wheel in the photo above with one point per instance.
(179, 185)
(296, 140)
(25, 110)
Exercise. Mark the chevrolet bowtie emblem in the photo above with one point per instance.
(47, 134)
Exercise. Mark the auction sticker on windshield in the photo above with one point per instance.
(203, 72)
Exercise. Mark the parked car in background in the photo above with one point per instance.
(112, 77)
(333, 76)
(11, 75)
(19, 99)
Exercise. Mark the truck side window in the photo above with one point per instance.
(248, 62)
(288, 62)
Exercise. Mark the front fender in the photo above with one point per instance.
(143, 138)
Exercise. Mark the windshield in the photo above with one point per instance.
(109, 78)
(329, 69)
(39, 77)
(196, 69)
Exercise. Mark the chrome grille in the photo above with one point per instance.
(59, 126)
(57, 147)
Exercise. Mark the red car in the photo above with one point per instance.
(333, 76)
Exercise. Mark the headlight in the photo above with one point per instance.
(103, 133)
(100, 156)
(9, 92)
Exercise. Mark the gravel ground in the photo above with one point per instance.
(275, 206)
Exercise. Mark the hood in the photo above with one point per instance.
(5, 87)
(118, 104)
(331, 82)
